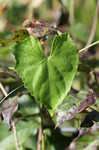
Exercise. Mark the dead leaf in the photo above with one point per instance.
(91, 99)
(9, 107)
(70, 113)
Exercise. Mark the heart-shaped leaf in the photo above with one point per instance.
(48, 79)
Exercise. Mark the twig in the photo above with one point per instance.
(71, 12)
(93, 29)
(86, 48)
(92, 33)
(39, 139)
(13, 124)
(3, 90)
(15, 134)
(2, 100)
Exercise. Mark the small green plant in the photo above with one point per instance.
(48, 79)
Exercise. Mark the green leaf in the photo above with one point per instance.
(47, 79)
(24, 131)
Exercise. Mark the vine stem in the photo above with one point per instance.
(12, 122)
(86, 48)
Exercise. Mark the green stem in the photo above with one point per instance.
(42, 143)
(85, 48)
